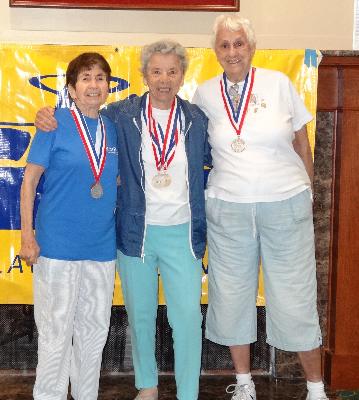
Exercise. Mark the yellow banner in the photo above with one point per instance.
(32, 76)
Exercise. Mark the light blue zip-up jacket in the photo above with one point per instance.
(131, 202)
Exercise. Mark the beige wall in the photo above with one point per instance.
(320, 24)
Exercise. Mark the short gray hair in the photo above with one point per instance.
(164, 47)
(234, 22)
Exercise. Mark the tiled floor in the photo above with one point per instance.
(18, 386)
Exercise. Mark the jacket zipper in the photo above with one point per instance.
(189, 204)
(142, 177)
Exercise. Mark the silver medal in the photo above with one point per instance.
(161, 180)
(96, 190)
(238, 145)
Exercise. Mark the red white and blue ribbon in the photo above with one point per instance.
(97, 161)
(237, 117)
(163, 142)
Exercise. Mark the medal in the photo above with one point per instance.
(238, 145)
(163, 143)
(97, 159)
(96, 190)
(161, 180)
(237, 116)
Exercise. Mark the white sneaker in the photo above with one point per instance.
(242, 392)
(324, 397)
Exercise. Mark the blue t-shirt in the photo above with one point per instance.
(70, 224)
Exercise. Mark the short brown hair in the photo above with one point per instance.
(86, 61)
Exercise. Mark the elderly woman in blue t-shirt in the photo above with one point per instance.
(74, 248)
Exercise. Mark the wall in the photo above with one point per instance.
(319, 24)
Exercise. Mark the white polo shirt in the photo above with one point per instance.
(268, 169)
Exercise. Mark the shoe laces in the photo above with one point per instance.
(240, 392)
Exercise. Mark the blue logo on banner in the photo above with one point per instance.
(13, 144)
(63, 100)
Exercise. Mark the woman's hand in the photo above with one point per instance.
(30, 250)
(45, 119)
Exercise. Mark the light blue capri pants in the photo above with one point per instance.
(281, 234)
(167, 250)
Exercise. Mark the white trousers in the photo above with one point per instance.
(72, 304)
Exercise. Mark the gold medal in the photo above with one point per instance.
(96, 190)
(97, 161)
(238, 145)
(161, 180)
(163, 146)
(237, 113)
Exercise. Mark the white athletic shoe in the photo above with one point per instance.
(242, 392)
(324, 397)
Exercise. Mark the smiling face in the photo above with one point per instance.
(90, 91)
(234, 53)
(164, 77)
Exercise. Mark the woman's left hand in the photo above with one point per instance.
(29, 251)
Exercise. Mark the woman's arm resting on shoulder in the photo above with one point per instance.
(29, 250)
(45, 119)
(302, 147)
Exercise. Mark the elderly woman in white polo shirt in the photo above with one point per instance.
(259, 206)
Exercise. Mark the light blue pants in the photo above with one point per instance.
(281, 234)
(167, 250)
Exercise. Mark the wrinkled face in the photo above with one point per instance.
(91, 89)
(234, 53)
(164, 77)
